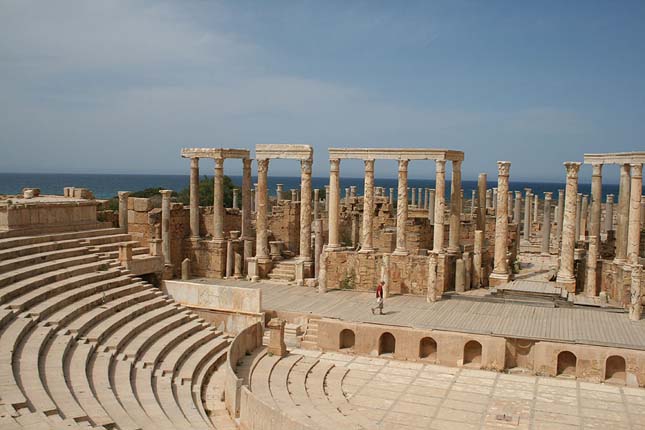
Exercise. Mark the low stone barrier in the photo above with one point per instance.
(257, 415)
(246, 341)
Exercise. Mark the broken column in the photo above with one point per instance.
(123, 210)
(501, 273)
(592, 264)
(609, 213)
(565, 277)
(517, 210)
(278, 192)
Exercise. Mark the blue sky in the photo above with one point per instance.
(120, 86)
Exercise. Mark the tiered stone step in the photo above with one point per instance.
(284, 271)
(84, 344)
(310, 340)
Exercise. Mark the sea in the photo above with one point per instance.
(105, 186)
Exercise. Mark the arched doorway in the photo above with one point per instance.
(386, 344)
(346, 339)
(473, 353)
(428, 349)
(615, 369)
(567, 363)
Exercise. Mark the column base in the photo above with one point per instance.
(566, 282)
(497, 279)
(399, 251)
(366, 250)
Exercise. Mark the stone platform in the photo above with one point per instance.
(522, 321)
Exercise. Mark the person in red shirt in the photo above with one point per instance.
(379, 298)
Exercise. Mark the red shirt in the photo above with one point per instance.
(379, 291)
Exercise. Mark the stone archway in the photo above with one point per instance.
(473, 353)
(428, 349)
(615, 369)
(567, 363)
(346, 339)
(386, 344)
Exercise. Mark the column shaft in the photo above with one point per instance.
(165, 225)
(246, 199)
(546, 224)
(455, 208)
(218, 200)
(368, 208)
(596, 200)
(432, 195)
(565, 272)
(439, 205)
(123, 210)
(609, 213)
(500, 269)
(261, 233)
(333, 199)
(305, 210)
(402, 209)
(622, 224)
(482, 194)
(634, 232)
(527, 214)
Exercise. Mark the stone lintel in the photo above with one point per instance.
(284, 151)
(615, 158)
(215, 153)
(395, 154)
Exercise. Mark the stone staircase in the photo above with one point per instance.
(86, 344)
(310, 339)
(284, 271)
(293, 334)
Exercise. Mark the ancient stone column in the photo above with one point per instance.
(254, 200)
(546, 224)
(527, 214)
(489, 198)
(326, 198)
(592, 264)
(455, 208)
(420, 199)
(194, 197)
(578, 215)
(596, 200)
(494, 198)
(636, 308)
(368, 208)
(278, 192)
(385, 275)
(473, 204)
(642, 212)
(536, 207)
(609, 213)
(318, 245)
(483, 201)
(583, 216)
(565, 276)
(246, 237)
(634, 232)
(425, 201)
(294, 195)
(305, 210)
(235, 193)
(413, 193)
(432, 196)
(460, 276)
(230, 259)
(622, 221)
(560, 218)
(123, 210)
(218, 200)
(431, 295)
(261, 232)
(355, 229)
(439, 205)
(391, 197)
(517, 210)
(478, 258)
(334, 203)
(316, 203)
(165, 225)
(511, 209)
(402, 209)
(501, 273)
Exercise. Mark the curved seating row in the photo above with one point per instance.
(85, 344)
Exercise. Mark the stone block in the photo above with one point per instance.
(141, 204)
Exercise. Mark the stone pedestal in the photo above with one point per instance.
(125, 253)
(276, 337)
(185, 269)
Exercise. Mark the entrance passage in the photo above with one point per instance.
(428, 349)
(386, 344)
(347, 339)
(567, 363)
(615, 369)
(473, 353)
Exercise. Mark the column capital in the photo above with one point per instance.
(334, 165)
(440, 165)
(123, 194)
(219, 163)
(610, 198)
(456, 164)
(518, 194)
(573, 167)
(246, 163)
(165, 193)
(548, 195)
(305, 167)
(596, 169)
(403, 165)
(263, 166)
(637, 170)
(503, 168)
(369, 165)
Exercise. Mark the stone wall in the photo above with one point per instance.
(284, 224)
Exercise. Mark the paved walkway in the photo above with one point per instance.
(404, 395)
(585, 326)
